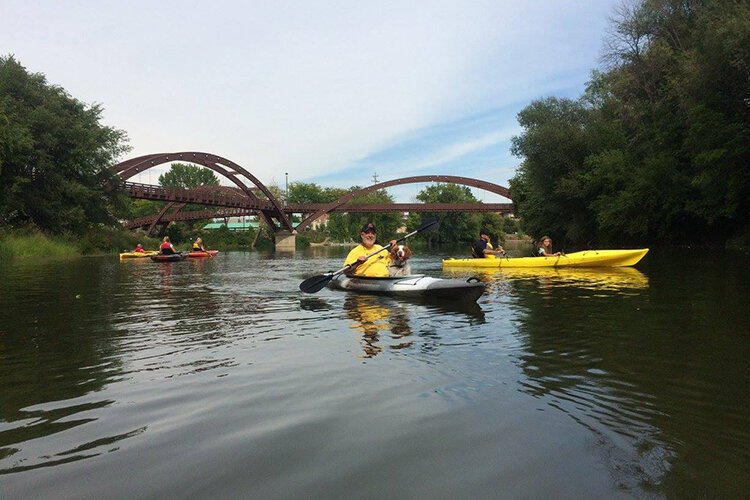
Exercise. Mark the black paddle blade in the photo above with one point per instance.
(316, 283)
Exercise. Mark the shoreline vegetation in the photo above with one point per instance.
(36, 244)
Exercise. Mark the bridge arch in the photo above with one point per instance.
(133, 166)
(449, 179)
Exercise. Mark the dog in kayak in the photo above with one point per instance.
(399, 266)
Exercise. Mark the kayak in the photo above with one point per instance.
(175, 257)
(137, 255)
(587, 258)
(416, 285)
(198, 254)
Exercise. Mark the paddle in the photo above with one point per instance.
(317, 283)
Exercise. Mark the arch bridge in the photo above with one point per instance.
(244, 199)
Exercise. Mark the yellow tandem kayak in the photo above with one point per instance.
(587, 258)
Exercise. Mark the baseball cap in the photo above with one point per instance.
(369, 227)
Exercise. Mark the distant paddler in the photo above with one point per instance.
(483, 248)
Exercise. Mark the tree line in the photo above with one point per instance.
(657, 149)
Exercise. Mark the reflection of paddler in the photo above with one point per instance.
(604, 278)
(370, 316)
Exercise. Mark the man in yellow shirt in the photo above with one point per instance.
(377, 265)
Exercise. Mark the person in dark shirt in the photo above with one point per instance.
(483, 247)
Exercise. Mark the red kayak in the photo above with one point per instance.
(198, 254)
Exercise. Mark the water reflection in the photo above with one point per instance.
(370, 316)
(604, 278)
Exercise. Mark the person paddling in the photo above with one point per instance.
(198, 246)
(139, 249)
(377, 265)
(545, 250)
(483, 248)
(166, 248)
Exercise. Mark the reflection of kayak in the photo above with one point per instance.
(198, 254)
(412, 286)
(137, 255)
(613, 278)
(587, 258)
(169, 258)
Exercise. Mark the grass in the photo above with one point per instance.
(24, 243)
(36, 245)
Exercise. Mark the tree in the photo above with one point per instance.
(345, 226)
(181, 175)
(454, 226)
(657, 148)
(54, 156)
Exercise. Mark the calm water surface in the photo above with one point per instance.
(218, 378)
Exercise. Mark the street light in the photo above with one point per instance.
(286, 190)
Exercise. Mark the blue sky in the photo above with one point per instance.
(328, 92)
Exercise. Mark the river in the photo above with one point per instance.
(218, 378)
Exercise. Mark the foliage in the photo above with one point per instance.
(454, 226)
(95, 240)
(35, 244)
(658, 147)
(347, 226)
(182, 175)
(54, 156)
(302, 192)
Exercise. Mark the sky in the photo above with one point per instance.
(333, 92)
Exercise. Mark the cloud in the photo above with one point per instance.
(307, 87)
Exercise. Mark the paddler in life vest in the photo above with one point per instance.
(139, 249)
(483, 248)
(198, 245)
(166, 247)
(377, 265)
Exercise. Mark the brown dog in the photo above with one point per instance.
(399, 265)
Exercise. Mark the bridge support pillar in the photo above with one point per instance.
(285, 241)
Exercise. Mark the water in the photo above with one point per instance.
(218, 378)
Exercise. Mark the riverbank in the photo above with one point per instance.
(24, 243)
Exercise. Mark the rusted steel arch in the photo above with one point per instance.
(216, 163)
(177, 207)
(153, 221)
(449, 179)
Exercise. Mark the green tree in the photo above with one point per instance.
(658, 146)
(346, 226)
(182, 175)
(454, 226)
(54, 156)
(303, 192)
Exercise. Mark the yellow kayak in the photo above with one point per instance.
(137, 255)
(587, 258)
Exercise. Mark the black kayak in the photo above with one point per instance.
(412, 286)
(174, 257)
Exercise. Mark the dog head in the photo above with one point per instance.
(400, 254)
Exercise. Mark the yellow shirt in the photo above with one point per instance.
(377, 265)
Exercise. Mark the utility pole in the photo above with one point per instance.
(375, 178)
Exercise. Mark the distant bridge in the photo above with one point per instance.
(244, 199)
